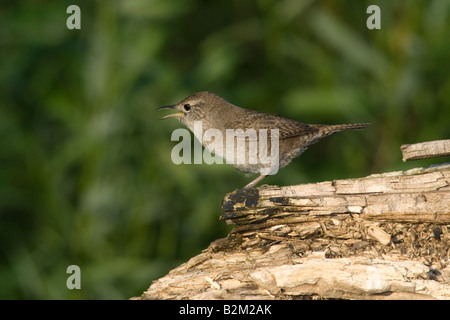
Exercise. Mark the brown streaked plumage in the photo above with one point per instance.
(215, 112)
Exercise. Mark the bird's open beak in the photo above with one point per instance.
(175, 115)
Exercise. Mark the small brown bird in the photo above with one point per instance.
(245, 138)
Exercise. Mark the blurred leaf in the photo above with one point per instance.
(347, 43)
(322, 101)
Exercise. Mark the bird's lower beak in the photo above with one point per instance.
(175, 115)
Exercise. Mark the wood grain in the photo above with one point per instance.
(385, 236)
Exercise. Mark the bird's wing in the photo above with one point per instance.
(287, 128)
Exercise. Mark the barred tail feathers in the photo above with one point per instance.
(329, 129)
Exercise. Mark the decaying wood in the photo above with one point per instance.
(284, 271)
(418, 196)
(423, 150)
(384, 236)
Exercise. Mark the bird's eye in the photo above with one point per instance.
(187, 107)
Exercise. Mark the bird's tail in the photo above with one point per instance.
(329, 129)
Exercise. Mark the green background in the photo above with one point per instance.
(86, 176)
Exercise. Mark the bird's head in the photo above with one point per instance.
(197, 107)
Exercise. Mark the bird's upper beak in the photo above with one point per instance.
(175, 115)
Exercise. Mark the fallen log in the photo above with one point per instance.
(385, 236)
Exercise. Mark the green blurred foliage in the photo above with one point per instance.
(86, 176)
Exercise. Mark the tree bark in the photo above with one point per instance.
(423, 150)
(385, 236)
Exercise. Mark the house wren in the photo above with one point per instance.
(245, 138)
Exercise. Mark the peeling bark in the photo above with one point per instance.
(423, 150)
(385, 236)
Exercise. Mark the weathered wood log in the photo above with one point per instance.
(385, 236)
(280, 272)
(417, 195)
(423, 150)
